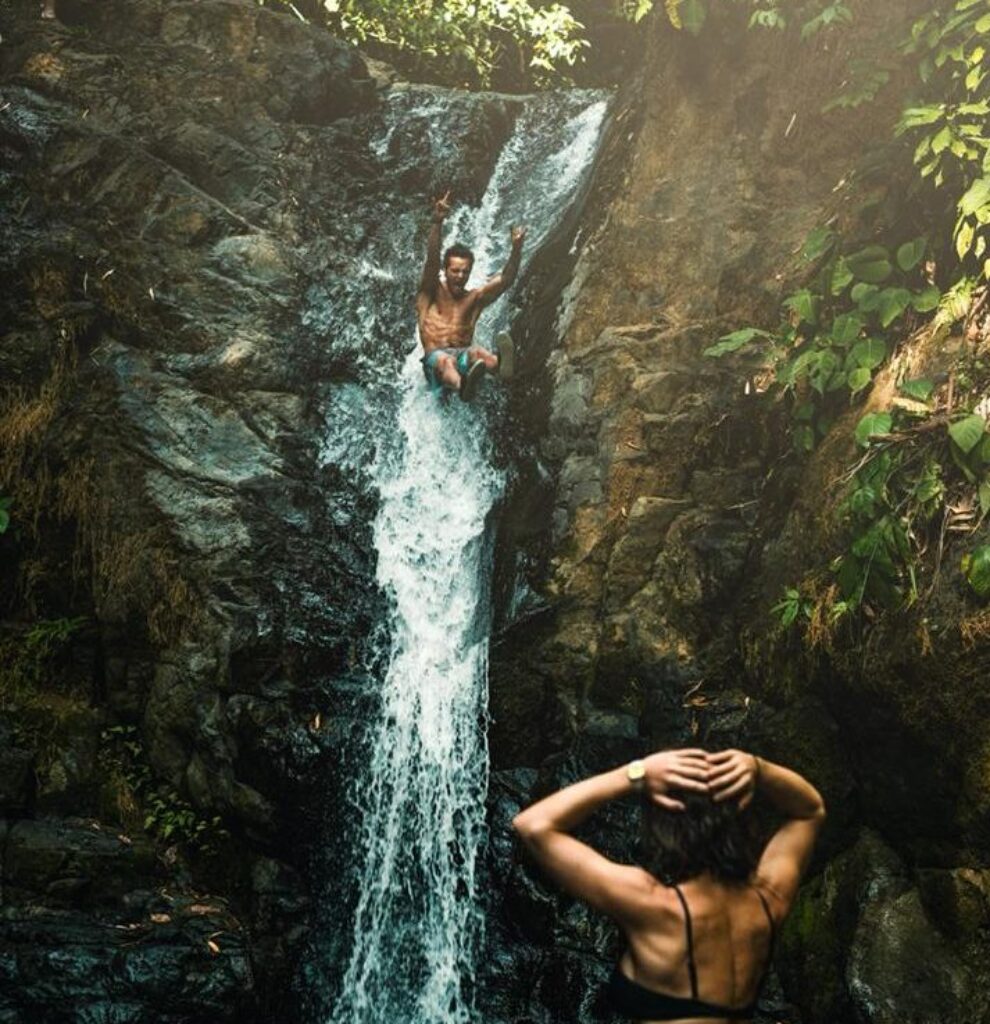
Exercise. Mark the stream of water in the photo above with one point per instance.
(417, 927)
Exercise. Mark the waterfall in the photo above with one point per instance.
(417, 926)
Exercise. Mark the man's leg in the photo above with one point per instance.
(445, 371)
(478, 354)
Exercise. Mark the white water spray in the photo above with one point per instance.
(417, 924)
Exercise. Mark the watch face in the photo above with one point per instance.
(636, 770)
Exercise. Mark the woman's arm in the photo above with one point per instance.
(736, 775)
(615, 889)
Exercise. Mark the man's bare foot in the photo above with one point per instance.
(48, 10)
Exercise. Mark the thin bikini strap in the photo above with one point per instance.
(773, 927)
(692, 970)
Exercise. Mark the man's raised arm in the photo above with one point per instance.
(490, 291)
(431, 269)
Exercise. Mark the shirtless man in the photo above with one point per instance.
(448, 311)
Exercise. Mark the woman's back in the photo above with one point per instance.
(703, 942)
(697, 951)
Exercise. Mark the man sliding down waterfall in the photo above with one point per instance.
(448, 311)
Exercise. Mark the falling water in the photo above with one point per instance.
(417, 923)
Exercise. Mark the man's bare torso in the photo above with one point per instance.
(446, 322)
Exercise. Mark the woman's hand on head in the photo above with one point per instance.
(675, 770)
(732, 775)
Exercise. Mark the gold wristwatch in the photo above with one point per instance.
(636, 772)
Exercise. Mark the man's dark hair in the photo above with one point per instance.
(461, 251)
(705, 836)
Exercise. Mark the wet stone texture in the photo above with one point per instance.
(196, 200)
(638, 615)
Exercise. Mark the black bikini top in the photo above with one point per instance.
(634, 1000)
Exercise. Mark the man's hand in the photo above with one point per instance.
(441, 207)
(518, 233)
(732, 775)
(675, 769)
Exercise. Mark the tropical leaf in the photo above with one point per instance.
(920, 388)
(968, 432)
(873, 424)
(846, 328)
(927, 299)
(870, 352)
(910, 253)
(859, 378)
(892, 302)
(735, 341)
(841, 276)
(976, 569)
(871, 264)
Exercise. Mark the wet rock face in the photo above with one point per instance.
(197, 198)
(671, 523)
(88, 932)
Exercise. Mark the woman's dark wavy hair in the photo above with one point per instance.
(705, 836)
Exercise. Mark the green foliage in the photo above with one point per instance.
(735, 341)
(832, 338)
(463, 41)
(976, 569)
(29, 657)
(949, 130)
(893, 496)
(862, 85)
(873, 425)
(163, 813)
(5, 514)
(691, 15)
(791, 607)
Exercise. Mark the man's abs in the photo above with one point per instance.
(451, 327)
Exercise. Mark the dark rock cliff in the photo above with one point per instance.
(190, 193)
(673, 516)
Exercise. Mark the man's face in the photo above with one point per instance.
(457, 272)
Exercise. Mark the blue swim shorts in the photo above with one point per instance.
(430, 364)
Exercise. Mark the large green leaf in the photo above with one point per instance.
(919, 388)
(871, 264)
(859, 378)
(915, 117)
(976, 567)
(846, 328)
(941, 139)
(804, 304)
(910, 253)
(841, 276)
(869, 352)
(866, 296)
(965, 234)
(871, 425)
(734, 341)
(984, 495)
(892, 302)
(927, 299)
(975, 197)
(818, 242)
(822, 369)
(968, 432)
